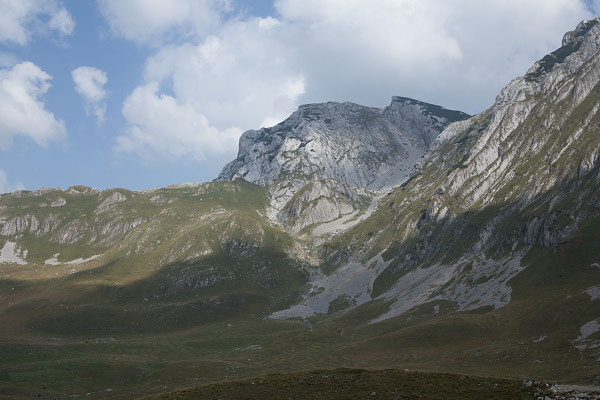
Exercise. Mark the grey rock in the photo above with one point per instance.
(17, 226)
(358, 146)
(355, 145)
(82, 191)
(321, 201)
(59, 202)
(48, 224)
(71, 233)
(114, 198)
(115, 230)
(352, 144)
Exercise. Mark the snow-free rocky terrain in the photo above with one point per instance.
(346, 236)
(357, 146)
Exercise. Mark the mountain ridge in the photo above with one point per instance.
(358, 146)
(469, 190)
(479, 256)
(331, 119)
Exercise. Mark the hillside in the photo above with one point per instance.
(411, 237)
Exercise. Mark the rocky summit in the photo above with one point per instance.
(355, 145)
(410, 237)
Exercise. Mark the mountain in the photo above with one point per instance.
(190, 248)
(358, 146)
(502, 204)
(409, 237)
(355, 145)
(523, 173)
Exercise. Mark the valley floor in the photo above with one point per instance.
(131, 366)
(364, 384)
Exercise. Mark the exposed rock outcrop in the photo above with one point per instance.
(321, 201)
(353, 144)
(358, 146)
(114, 198)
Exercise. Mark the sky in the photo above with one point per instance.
(145, 93)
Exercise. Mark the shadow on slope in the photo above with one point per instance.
(177, 296)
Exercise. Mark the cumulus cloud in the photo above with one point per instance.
(5, 186)
(19, 19)
(459, 53)
(159, 126)
(61, 21)
(243, 77)
(251, 72)
(218, 86)
(157, 21)
(22, 110)
(89, 83)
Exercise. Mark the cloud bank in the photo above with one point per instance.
(160, 127)
(159, 21)
(226, 73)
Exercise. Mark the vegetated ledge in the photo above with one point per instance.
(367, 384)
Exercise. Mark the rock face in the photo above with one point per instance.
(24, 216)
(352, 144)
(355, 145)
(321, 201)
(424, 120)
(542, 120)
(114, 198)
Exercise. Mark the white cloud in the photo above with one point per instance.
(22, 111)
(159, 126)
(242, 77)
(61, 21)
(5, 187)
(89, 83)
(251, 72)
(19, 19)
(221, 84)
(458, 53)
(156, 21)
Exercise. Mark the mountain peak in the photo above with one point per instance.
(587, 32)
(582, 28)
(348, 142)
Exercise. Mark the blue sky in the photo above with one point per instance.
(184, 78)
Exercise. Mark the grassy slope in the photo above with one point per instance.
(359, 384)
(109, 321)
(91, 331)
(484, 342)
(549, 300)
